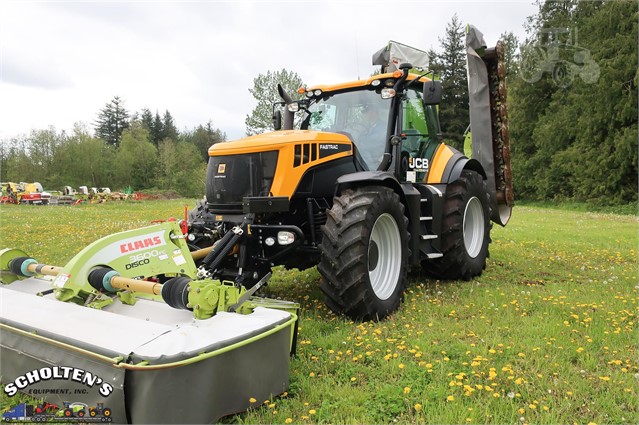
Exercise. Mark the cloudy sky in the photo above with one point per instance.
(62, 61)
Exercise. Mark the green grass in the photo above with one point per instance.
(548, 334)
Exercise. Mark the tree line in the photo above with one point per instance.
(137, 151)
(572, 101)
(573, 104)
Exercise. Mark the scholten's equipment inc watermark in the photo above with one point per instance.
(65, 373)
(557, 53)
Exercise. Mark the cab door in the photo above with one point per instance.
(420, 140)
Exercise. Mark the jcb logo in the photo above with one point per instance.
(418, 164)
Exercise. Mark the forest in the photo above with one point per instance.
(572, 102)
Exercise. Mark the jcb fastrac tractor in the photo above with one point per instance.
(365, 189)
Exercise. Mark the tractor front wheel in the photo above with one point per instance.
(465, 230)
(364, 253)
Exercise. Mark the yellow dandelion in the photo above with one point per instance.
(496, 395)
(532, 406)
(252, 400)
(312, 412)
(353, 379)
(604, 378)
(406, 390)
(417, 407)
(401, 366)
(288, 420)
(450, 398)
(521, 411)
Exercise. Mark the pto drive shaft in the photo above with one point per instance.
(102, 279)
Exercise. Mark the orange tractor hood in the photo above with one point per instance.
(274, 141)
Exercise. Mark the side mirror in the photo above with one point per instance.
(432, 92)
(277, 120)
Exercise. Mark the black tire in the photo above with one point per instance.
(465, 230)
(362, 228)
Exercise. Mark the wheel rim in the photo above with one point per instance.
(384, 256)
(473, 227)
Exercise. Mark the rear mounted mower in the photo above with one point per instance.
(131, 321)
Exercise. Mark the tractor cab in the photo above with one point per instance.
(370, 112)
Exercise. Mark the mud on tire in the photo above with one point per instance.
(364, 253)
(465, 230)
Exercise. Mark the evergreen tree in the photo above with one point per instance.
(112, 121)
(203, 137)
(511, 53)
(156, 132)
(453, 110)
(169, 131)
(147, 119)
(265, 92)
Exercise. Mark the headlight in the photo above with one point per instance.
(285, 238)
(388, 93)
(293, 107)
(317, 92)
(269, 241)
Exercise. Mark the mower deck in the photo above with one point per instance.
(153, 363)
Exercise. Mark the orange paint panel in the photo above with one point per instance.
(438, 165)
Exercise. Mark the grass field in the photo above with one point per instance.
(548, 334)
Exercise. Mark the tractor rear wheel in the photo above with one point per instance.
(465, 230)
(364, 253)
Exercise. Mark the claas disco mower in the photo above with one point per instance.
(365, 189)
(132, 322)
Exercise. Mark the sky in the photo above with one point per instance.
(62, 61)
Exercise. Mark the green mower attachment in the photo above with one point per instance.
(134, 315)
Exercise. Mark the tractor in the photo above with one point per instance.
(365, 189)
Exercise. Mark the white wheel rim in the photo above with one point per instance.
(473, 227)
(384, 256)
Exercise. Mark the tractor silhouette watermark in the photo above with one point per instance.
(557, 53)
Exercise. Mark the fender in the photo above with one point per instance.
(367, 178)
(448, 163)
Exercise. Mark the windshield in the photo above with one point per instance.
(362, 115)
